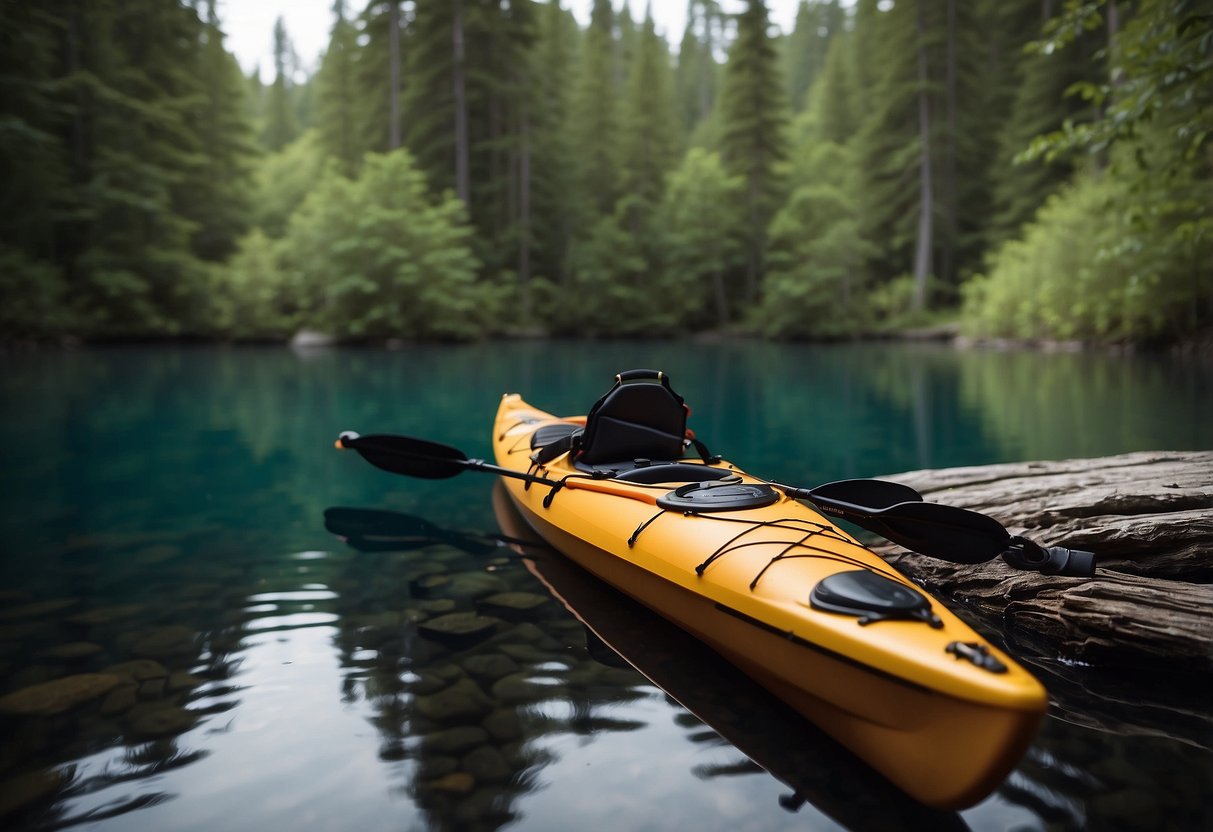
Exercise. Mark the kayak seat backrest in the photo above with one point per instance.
(548, 434)
(640, 418)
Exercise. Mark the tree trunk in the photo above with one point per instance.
(947, 268)
(524, 211)
(462, 176)
(393, 40)
(926, 203)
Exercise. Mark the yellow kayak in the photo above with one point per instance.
(774, 587)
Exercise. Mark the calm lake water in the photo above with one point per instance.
(164, 520)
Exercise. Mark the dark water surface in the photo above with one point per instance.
(230, 664)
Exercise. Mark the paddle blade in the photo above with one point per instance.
(945, 532)
(864, 496)
(406, 455)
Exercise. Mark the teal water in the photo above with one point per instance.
(166, 507)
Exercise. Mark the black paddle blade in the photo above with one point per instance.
(406, 455)
(374, 530)
(378, 530)
(863, 496)
(945, 532)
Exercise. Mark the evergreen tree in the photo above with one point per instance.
(36, 196)
(804, 48)
(593, 118)
(377, 257)
(754, 116)
(648, 140)
(1039, 105)
(336, 94)
(217, 196)
(552, 177)
(696, 76)
(281, 121)
(702, 219)
(830, 113)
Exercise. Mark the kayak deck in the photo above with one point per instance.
(926, 701)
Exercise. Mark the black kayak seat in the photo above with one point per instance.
(640, 417)
(548, 434)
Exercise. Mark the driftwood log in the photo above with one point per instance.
(1146, 616)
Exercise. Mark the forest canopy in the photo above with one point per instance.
(460, 168)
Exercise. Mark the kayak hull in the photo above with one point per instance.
(945, 734)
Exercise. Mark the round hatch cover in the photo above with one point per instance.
(727, 494)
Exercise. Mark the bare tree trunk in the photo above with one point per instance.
(462, 177)
(926, 204)
(948, 266)
(393, 40)
(524, 211)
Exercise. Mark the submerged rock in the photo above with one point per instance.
(513, 604)
(30, 788)
(457, 782)
(174, 640)
(49, 698)
(70, 651)
(159, 720)
(460, 702)
(138, 670)
(459, 628)
(106, 615)
(456, 740)
(120, 700)
(38, 609)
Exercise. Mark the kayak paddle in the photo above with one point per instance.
(898, 513)
(893, 511)
(434, 461)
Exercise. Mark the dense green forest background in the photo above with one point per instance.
(458, 168)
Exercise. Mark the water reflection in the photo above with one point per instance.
(163, 506)
(474, 711)
(103, 691)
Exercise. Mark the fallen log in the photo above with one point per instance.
(1147, 516)
(1148, 612)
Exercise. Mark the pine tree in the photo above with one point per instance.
(754, 117)
(648, 142)
(697, 74)
(281, 121)
(336, 94)
(804, 49)
(1039, 105)
(217, 197)
(593, 120)
(552, 180)
(36, 196)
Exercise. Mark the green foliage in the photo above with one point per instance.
(281, 122)
(373, 257)
(702, 223)
(32, 295)
(1134, 242)
(817, 252)
(1083, 270)
(754, 116)
(249, 295)
(336, 95)
(593, 117)
(284, 179)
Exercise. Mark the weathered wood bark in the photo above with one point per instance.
(1130, 650)
(1147, 516)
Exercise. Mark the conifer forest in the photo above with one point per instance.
(452, 169)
